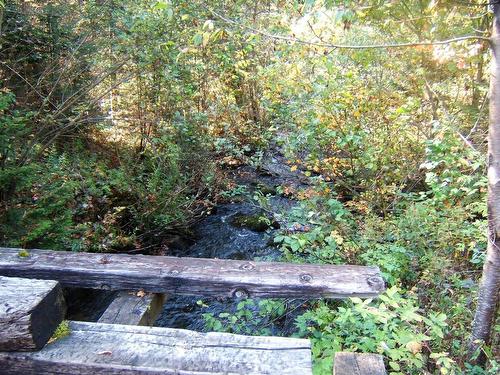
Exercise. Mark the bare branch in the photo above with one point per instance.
(347, 46)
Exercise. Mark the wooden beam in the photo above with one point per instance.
(140, 309)
(358, 364)
(193, 276)
(96, 348)
(30, 311)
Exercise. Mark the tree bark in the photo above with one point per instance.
(487, 303)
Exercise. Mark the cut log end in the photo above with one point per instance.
(358, 364)
(132, 309)
(30, 312)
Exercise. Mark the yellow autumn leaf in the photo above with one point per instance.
(293, 168)
(414, 347)
(337, 237)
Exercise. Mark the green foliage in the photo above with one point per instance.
(455, 174)
(61, 331)
(71, 199)
(316, 230)
(14, 129)
(394, 261)
(251, 317)
(391, 326)
(237, 191)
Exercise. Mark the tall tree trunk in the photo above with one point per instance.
(487, 303)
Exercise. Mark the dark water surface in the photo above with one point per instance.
(216, 236)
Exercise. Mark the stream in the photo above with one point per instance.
(225, 234)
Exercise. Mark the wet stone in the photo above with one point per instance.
(257, 223)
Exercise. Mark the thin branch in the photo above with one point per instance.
(479, 116)
(452, 120)
(52, 135)
(347, 46)
(27, 82)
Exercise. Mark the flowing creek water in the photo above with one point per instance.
(226, 235)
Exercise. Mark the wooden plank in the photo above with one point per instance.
(358, 364)
(96, 348)
(193, 276)
(140, 309)
(30, 311)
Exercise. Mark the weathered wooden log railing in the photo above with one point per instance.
(116, 348)
(193, 276)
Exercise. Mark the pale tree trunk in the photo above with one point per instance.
(490, 284)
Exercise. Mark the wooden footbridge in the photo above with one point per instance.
(32, 306)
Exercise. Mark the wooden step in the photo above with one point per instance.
(30, 311)
(346, 363)
(193, 276)
(97, 348)
(134, 308)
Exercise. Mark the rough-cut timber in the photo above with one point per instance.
(96, 348)
(30, 311)
(139, 309)
(193, 276)
(358, 364)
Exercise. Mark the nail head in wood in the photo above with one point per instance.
(240, 293)
(306, 278)
(247, 267)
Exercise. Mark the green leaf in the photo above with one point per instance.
(160, 5)
(394, 366)
(198, 39)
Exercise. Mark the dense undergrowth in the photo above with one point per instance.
(119, 119)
